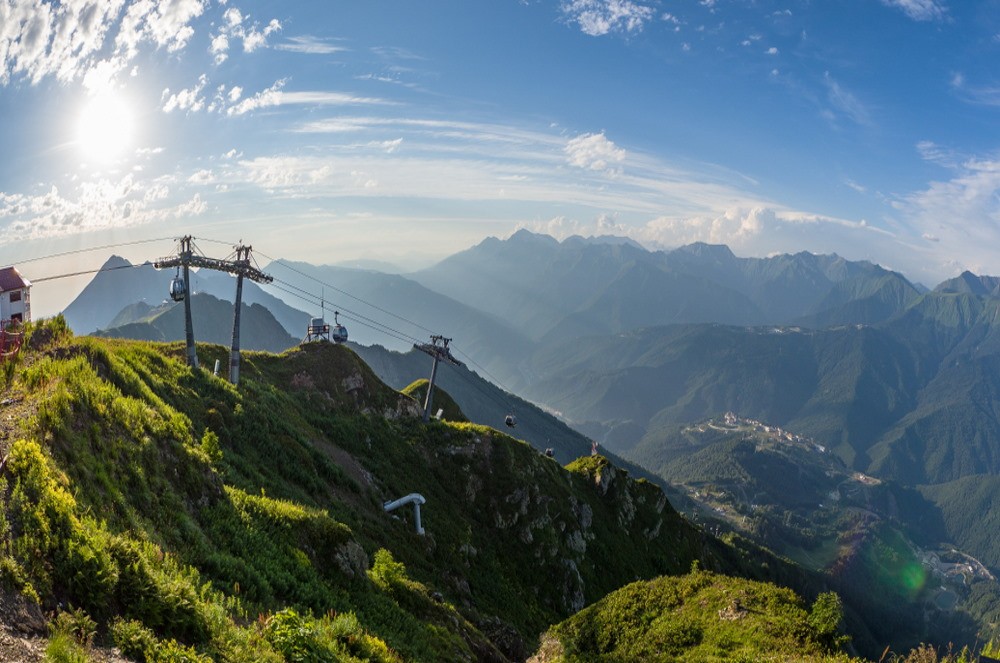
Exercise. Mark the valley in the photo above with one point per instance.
(823, 409)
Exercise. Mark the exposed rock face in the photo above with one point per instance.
(351, 559)
(573, 598)
(353, 382)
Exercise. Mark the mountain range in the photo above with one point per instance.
(628, 346)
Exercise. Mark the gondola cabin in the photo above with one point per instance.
(339, 332)
(178, 290)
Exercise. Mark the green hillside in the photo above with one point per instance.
(162, 510)
(698, 617)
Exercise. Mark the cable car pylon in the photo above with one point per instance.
(240, 267)
(438, 349)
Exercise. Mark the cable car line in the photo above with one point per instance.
(356, 316)
(312, 299)
(344, 292)
(505, 405)
(95, 248)
(86, 271)
(302, 294)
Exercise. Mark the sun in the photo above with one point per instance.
(104, 128)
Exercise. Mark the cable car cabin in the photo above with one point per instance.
(177, 289)
(339, 332)
(510, 421)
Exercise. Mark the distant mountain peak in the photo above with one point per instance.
(611, 240)
(115, 262)
(705, 250)
(524, 236)
(969, 283)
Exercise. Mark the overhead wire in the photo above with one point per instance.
(95, 248)
(354, 314)
(294, 291)
(402, 336)
(81, 273)
(492, 377)
(313, 299)
(467, 376)
(347, 294)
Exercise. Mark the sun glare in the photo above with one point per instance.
(104, 129)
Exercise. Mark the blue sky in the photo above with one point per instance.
(404, 131)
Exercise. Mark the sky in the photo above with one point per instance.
(330, 131)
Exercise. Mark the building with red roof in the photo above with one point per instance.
(15, 298)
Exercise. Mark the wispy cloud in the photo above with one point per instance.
(311, 45)
(961, 214)
(263, 99)
(599, 17)
(231, 102)
(844, 103)
(981, 95)
(943, 156)
(919, 10)
(327, 98)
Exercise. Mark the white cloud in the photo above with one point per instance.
(219, 48)
(233, 17)
(593, 152)
(188, 99)
(389, 146)
(91, 39)
(169, 23)
(202, 177)
(599, 17)
(263, 99)
(771, 51)
(919, 10)
(234, 27)
(254, 39)
(92, 206)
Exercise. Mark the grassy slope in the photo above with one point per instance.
(174, 508)
(700, 616)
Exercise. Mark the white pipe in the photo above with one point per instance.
(413, 498)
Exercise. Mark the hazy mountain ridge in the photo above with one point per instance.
(212, 323)
(120, 284)
(555, 289)
(421, 312)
